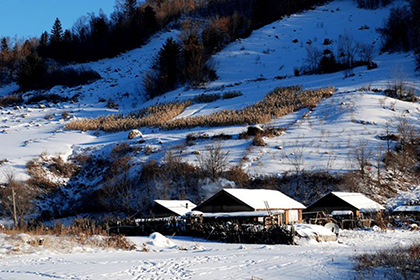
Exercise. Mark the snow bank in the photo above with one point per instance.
(158, 240)
(306, 232)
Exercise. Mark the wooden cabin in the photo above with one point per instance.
(166, 208)
(345, 206)
(407, 211)
(268, 207)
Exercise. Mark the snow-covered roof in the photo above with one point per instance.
(262, 213)
(180, 207)
(341, 212)
(407, 208)
(359, 201)
(256, 199)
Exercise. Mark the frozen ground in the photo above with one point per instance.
(188, 258)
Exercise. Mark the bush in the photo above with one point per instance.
(258, 141)
(400, 262)
(10, 100)
(231, 94)
(206, 98)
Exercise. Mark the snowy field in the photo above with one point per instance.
(188, 258)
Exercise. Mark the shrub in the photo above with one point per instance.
(258, 141)
(231, 94)
(50, 98)
(206, 98)
(10, 100)
(400, 262)
(398, 86)
(239, 176)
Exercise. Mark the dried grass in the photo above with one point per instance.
(10, 100)
(61, 238)
(280, 102)
(402, 263)
(150, 116)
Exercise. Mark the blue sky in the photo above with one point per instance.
(27, 18)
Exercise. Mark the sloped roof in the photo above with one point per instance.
(359, 201)
(177, 206)
(261, 213)
(256, 198)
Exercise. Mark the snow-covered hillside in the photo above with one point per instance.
(321, 139)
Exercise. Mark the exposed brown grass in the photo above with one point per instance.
(281, 101)
(82, 231)
(10, 100)
(150, 116)
(400, 263)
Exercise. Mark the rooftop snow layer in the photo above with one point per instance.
(359, 201)
(256, 198)
(180, 207)
(408, 208)
(262, 213)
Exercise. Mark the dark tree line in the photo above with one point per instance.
(402, 28)
(98, 37)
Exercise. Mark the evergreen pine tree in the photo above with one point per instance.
(168, 64)
(4, 44)
(43, 41)
(56, 32)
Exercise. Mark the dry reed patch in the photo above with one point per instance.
(150, 116)
(398, 262)
(280, 102)
(60, 238)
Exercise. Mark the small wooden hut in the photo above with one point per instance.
(259, 205)
(165, 208)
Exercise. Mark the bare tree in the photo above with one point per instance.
(406, 129)
(365, 51)
(214, 161)
(379, 155)
(120, 191)
(17, 199)
(361, 156)
(347, 49)
(296, 158)
(313, 58)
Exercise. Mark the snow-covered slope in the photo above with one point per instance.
(321, 139)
